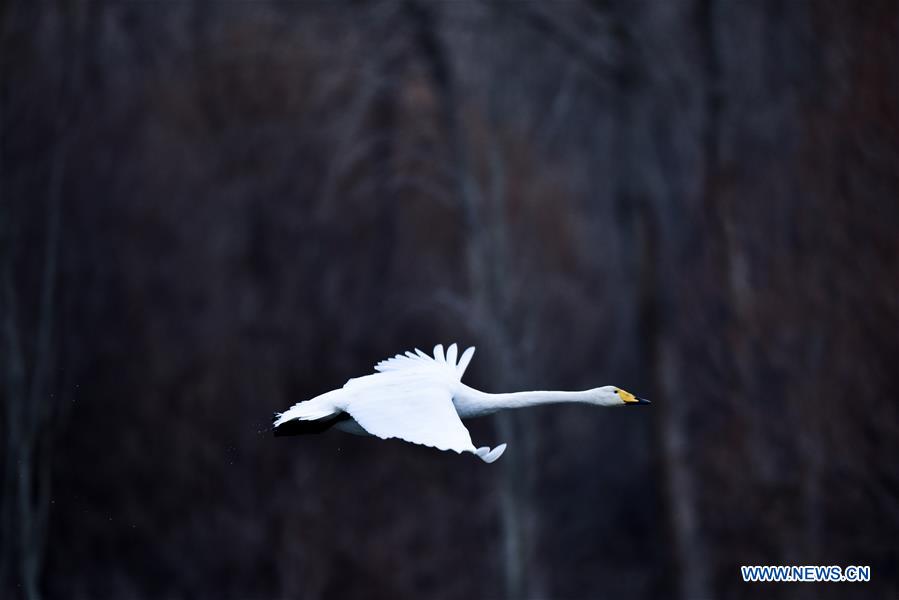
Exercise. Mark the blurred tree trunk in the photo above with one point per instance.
(659, 351)
(29, 413)
(28, 336)
(484, 227)
(647, 200)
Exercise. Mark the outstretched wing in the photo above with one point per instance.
(417, 414)
(419, 361)
(411, 399)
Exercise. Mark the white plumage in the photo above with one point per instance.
(421, 399)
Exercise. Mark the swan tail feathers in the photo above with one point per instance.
(311, 416)
(299, 414)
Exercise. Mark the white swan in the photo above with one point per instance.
(421, 399)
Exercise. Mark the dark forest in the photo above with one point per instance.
(213, 210)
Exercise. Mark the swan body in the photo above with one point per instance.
(421, 399)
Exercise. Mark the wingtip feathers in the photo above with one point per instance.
(451, 354)
(464, 360)
(488, 455)
(449, 357)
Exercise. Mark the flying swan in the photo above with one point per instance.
(421, 399)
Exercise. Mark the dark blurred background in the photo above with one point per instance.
(212, 210)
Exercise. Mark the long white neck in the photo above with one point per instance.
(475, 403)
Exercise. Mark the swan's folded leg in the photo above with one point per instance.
(488, 455)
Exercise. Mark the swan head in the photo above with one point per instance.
(610, 395)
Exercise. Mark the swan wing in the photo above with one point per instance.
(442, 363)
(414, 406)
(410, 411)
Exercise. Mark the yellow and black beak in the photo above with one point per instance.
(630, 399)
